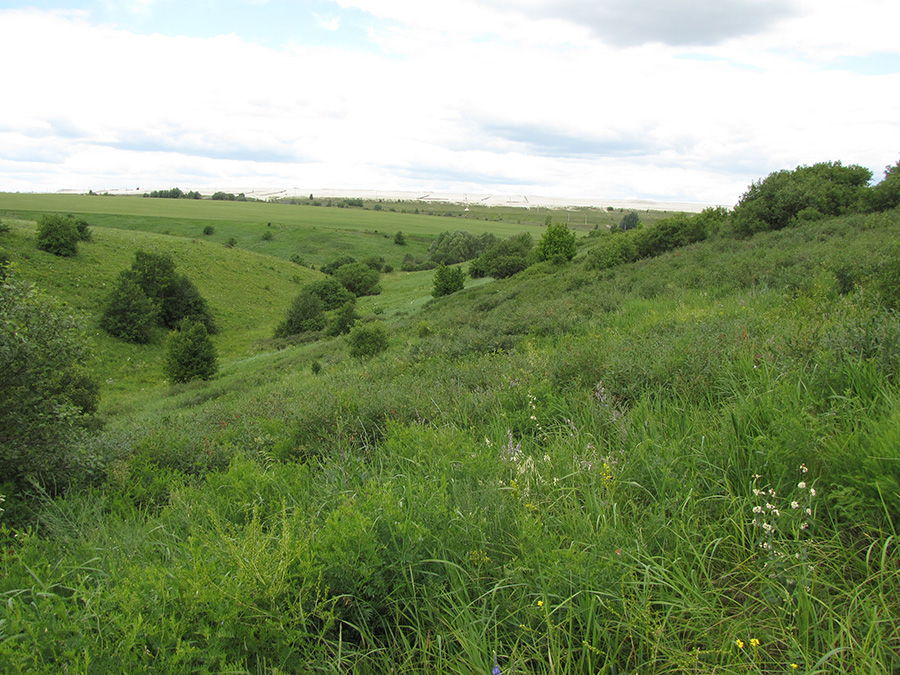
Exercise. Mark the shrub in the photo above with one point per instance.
(190, 353)
(330, 291)
(630, 221)
(129, 314)
(331, 267)
(175, 296)
(58, 235)
(344, 320)
(209, 230)
(557, 240)
(447, 280)
(399, 238)
(885, 195)
(773, 203)
(358, 278)
(504, 258)
(367, 341)
(456, 247)
(304, 315)
(45, 392)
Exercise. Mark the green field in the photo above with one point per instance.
(689, 463)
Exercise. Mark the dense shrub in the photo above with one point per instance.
(368, 341)
(344, 319)
(340, 261)
(58, 235)
(504, 258)
(455, 247)
(45, 392)
(172, 298)
(190, 353)
(129, 314)
(886, 194)
(557, 241)
(330, 291)
(630, 221)
(304, 315)
(447, 280)
(774, 202)
(399, 238)
(358, 278)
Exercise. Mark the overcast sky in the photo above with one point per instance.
(657, 99)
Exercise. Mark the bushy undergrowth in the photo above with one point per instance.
(688, 464)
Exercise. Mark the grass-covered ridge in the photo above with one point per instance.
(573, 470)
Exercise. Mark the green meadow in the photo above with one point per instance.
(686, 463)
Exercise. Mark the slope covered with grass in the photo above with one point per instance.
(685, 464)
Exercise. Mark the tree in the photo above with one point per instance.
(46, 393)
(629, 221)
(129, 314)
(829, 188)
(190, 353)
(557, 241)
(175, 296)
(58, 235)
(504, 258)
(886, 194)
(358, 278)
(304, 315)
(447, 280)
(400, 239)
(330, 291)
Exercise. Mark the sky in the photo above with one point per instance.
(590, 99)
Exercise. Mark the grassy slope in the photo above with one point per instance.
(557, 468)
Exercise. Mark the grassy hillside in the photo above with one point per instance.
(688, 464)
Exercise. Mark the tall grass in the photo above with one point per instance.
(659, 476)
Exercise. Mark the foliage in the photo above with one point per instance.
(190, 353)
(557, 241)
(330, 291)
(455, 247)
(306, 314)
(886, 194)
(229, 197)
(630, 221)
(332, 266)
(399, 238)
(358, 278)
(173, 193)
(344, 319)
(45, 391)
(174, 295)
(128, 313)
(58, 235)
(504, 258)
(775, 202)
(447, 280)
(367, 341)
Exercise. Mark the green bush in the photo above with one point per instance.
(330, 291)
(399, 238)
(129, 314)
(45, 392)
(447, 280)
(886, 194)
(504, 258)
(368, 341)
(774, 202)
(304, 315)
(557, 240)
(630, 221)
(358, 278)
(190, 353)
(209, 230)
(58, 235)
(331, 267)
(344, 319)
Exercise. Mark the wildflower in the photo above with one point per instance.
(496, 668)
(803, 468)
(739, 643)
(795, 505)
(812, 492)
(802, 485)
(794, 666)
(540, 603)
(754, 642)
(757, 509)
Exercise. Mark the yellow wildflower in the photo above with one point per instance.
(754, 642)
(739, 643)
(540, 603)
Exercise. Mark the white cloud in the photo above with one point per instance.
(463, 96)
